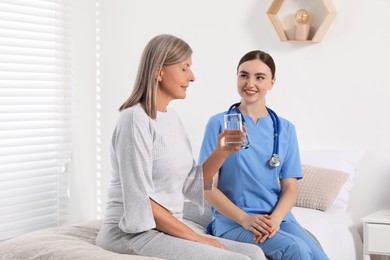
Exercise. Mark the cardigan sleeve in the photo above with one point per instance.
(132, 152)
(193, 187)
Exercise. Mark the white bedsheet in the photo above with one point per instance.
(335, 231)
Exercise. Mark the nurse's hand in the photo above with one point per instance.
(275, 224)
(211, 242)
(260, 225)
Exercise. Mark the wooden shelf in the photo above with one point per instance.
(317, 32)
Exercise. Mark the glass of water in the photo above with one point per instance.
(233, 127)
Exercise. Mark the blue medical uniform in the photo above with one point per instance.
(250, 183)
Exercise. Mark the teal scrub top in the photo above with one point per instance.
(246, 177)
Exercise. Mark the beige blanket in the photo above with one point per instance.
(74, 242)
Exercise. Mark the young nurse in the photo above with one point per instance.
(153, 169)
(251, 199)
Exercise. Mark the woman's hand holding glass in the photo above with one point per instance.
(228, 149)
(233, 127)
(232, 138)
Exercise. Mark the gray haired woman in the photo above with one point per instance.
(153, 169)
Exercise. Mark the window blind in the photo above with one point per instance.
(34, 115)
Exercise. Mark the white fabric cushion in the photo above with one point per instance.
(342, 160)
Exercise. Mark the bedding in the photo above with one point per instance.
(332, 228)
(73, 242)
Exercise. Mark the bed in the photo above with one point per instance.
(321, 208)
(334, 230)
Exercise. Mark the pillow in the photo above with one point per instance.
(342, 160)
(319, 187)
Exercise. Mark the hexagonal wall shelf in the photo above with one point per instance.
(318, 30)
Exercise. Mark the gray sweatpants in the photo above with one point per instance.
(158, 244)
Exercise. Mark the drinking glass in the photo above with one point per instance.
(233, 127)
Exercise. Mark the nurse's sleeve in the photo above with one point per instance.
(132, 150)
(291, 167)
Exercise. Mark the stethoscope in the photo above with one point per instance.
(274, 161)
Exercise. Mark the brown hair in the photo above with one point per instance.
(259, 55)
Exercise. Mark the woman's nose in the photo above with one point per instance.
(192, 77)
(250, 82)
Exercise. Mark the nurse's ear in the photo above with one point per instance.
(272, 83)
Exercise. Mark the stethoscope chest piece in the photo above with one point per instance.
(274, 161)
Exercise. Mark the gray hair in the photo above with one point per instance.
(162, 50)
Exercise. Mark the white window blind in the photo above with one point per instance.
(34, 115)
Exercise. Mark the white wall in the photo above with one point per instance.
(336, 92)
(83, 167)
